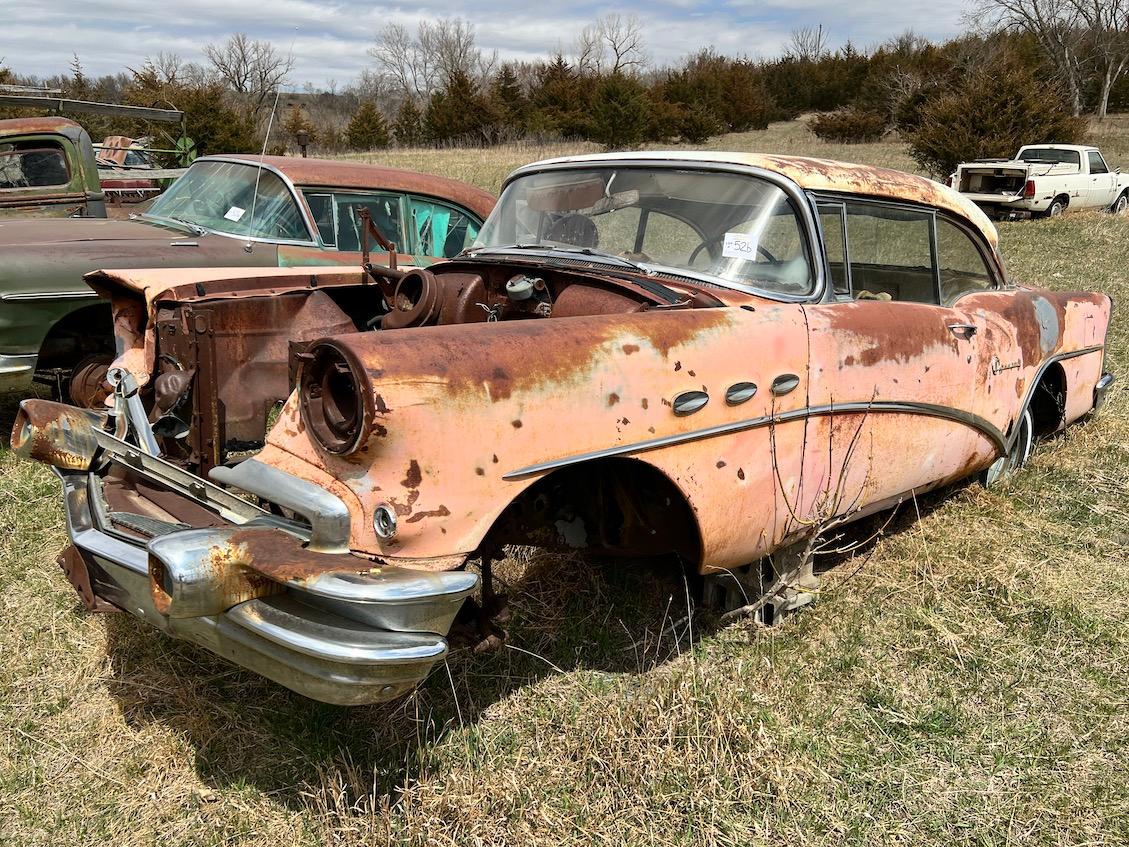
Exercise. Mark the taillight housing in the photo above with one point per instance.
(1029, 189)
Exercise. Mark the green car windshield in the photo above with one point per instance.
(733, 229)
(221, 197)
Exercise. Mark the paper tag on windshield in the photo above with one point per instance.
(739, 245)
(234, 213)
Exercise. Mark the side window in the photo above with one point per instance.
(38, 166)
(832, 221)
(321, 206)
(891, 253)
(335, 215)
(1097, 163)
(440, 231)
(963, 268)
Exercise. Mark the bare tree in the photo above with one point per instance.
(614, 44)
(807, 44)
(251, 68)
(1057, 28)
(402, 60)
(1107, 39)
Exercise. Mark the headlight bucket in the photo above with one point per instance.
(335, 399)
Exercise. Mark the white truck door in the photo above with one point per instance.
(1102, 183)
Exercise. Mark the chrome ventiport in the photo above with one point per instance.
(384, 522)
(689, 402)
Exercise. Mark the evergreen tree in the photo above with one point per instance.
(620, 112)
(367, 129)
(409, 124)
(509, 100)
(459, 112)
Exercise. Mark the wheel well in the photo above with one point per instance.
(77, 335)
(1065, 198)
(1048, 400)
(617, 506)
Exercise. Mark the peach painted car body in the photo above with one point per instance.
(702, 354)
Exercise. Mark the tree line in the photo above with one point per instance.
(1030, 67)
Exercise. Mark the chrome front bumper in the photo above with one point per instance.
(16, 372)
(340, 637)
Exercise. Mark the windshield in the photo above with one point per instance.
(218, 196)
(1051, 155)
(738, 230)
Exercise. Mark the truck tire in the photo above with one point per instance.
(1057, 207)
(1120, 204)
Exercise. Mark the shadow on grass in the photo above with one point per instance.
(568, 614)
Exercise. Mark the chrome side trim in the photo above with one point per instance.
(985, 427)
(47, 295)
(329, 518)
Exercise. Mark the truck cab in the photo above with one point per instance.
(48, 169)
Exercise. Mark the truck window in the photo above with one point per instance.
(1051, 156)
(890, 250)
(1097, 163)
(963, 268)
(39, 164)
(441, 231)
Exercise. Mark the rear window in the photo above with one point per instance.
(33, 164)
(1051, 155)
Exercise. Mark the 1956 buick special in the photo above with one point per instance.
(704, 354)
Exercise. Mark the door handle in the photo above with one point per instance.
(963, 330)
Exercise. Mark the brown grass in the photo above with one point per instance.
(964, 685)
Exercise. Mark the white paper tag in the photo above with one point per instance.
(234, 213)
(739, 245)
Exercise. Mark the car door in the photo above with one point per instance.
(893, 370)
(1103, 184)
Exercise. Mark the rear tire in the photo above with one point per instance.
(1057, 207)
(1007, 466)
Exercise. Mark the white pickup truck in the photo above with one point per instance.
(1044, 180)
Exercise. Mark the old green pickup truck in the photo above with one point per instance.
(48, 169)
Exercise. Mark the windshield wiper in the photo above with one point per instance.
(194, 228)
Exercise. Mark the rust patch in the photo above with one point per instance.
(644, 402)
(516, 424)
(613, 398)
(414, 477)
(630, 348)
(441, 512)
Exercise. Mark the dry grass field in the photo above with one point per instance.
(965, 681)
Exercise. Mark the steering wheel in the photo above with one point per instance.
(711, 242)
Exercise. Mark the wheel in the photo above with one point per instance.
(1007, 466)
(88, 388)
(1120, 204)
(1056, 208)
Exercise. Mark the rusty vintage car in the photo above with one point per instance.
(703, 354)
(224, 211)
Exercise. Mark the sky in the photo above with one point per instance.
(329, 40)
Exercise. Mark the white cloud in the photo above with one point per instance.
(330, 40)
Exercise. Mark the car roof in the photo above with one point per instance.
(812, 174)
(14, 126)
(342, 173)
